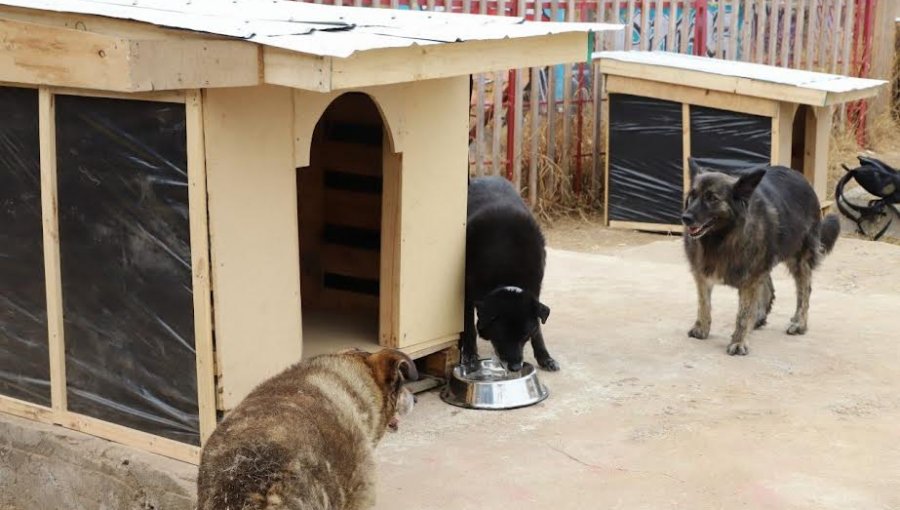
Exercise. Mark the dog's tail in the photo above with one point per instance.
(829, 230)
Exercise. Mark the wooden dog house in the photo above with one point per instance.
(197, 193)
(663, 108)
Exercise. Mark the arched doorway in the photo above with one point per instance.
(345, 260)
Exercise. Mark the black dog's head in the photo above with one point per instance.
(716, 200)
(508, 316)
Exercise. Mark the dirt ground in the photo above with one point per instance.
(642, 417)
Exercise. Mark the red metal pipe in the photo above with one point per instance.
(700, 8)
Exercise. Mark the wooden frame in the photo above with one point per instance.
(58, 413)
(778, 101)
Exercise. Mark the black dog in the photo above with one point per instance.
(505, 259)
(738, 228)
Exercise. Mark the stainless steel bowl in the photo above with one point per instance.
(490, 386)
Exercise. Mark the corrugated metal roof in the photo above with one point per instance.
(310, 28)
(777, 75)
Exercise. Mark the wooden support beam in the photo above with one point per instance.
(440, 363)
(52, 267)
(691, 95)
(201, 285)
(815, 160)
(415, 63)
(56, 56)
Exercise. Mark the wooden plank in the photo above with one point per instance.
(568, 118)
(391, 239)
(747, 32)
(353, 209)
(846, 42)
(685, 25)
(760, 56)
(351, 158)
(200, 273)
(733, 30)
(722, 83)
(497, 108)
(604, 113)
(822, 42)
(535, 139)
(691, 95)
(834, 40)
(26, 410)
(52, 271)
(629, 28)
(883, 51)
(773, 32)
(647, 227)
(720, 30)
(77, 59)
(427, 347)
(348, 261)
(686, 148)
(658, 25)
(518, 126)
(818, 136)
(440, 363)
(786, 33)
(645, 25)
(798, 34)
(284, 67)
(552, 114)
(671, 39)
(812, 33)
(782, 134)
(479, 124)
(88, 60)
(131, 437)
(254, 231)
(164, 96)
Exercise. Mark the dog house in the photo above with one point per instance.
(197, 193)
(663, 108)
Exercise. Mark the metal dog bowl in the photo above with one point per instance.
(489, 386)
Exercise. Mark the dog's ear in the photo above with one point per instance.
(747, 183)
(391, 366)
(542, 310)
(695, 169)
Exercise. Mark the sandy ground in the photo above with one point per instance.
(642, 417)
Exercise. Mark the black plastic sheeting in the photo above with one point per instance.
(730, 141)
(24, 357)
(126, 264)
(646, 147)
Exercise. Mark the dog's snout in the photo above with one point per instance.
(687, 219)
(515, 366)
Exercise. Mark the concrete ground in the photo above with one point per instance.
(642, 417)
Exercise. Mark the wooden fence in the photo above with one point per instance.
(537, 126)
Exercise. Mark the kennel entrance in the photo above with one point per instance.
(345, 243)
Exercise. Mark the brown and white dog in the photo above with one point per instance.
(304, 439)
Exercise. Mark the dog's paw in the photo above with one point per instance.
(549, 364)
(737, 349)
(699, 332)
(468, 359)
(796, 329)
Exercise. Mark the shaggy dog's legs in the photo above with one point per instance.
(766, 298)
(801, 269)
(704, 308)
(747, 311)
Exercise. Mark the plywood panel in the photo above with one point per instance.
(253, 233)
(433, 210)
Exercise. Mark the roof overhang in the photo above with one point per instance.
(66, 49)
(743, 78)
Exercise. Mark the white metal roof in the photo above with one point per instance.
(310, 28)
(823, 82)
